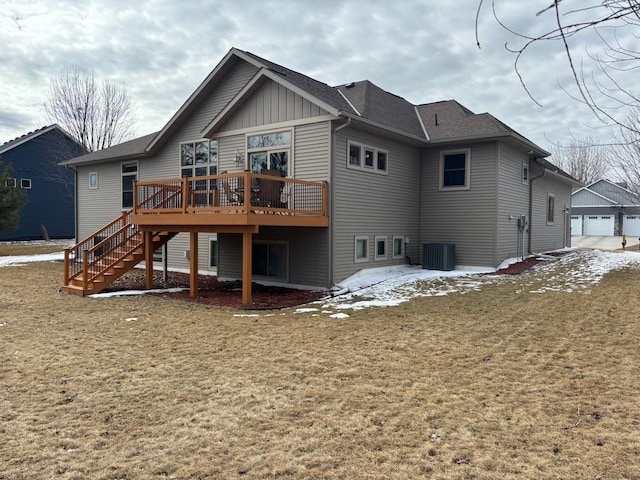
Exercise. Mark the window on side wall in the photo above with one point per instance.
(551, 205)
(398, 247)
(25, 183)
(129, 171)
(213, 254)
(93, 181)
(525, 174)
(361, 249)
(11, 183)
(381, 248)
(366, 158)
(455, 169)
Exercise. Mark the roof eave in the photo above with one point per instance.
(420, 140)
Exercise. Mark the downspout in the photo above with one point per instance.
(544, 172)
(331, 190)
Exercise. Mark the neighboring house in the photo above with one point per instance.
(605, 208)
(365, 179)
(35, 159)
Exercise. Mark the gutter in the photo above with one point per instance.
(542, 175)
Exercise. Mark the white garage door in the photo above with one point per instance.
(599, 225)
(576, 225)
(631, 225)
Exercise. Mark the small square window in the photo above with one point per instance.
(93, 180)
(381, 248)
(354, 155)
(361, 249)
(10, 182)
(25, 183)
(455, 169)
(398, 247)
(368, 157)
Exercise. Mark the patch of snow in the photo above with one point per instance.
(305, 310)
(131, 319)
(18, 260)
(339, 315)
(125, 293)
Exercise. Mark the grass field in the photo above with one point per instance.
(495, 383)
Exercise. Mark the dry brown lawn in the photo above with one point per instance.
(492, 384)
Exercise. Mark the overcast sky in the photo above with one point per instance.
(422, 50)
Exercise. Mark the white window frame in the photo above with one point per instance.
(551, 208)
(11, 182)
(361, 164)
(395, 255)
(467, 170)
(25, 183)
(378, 240)
(525, 173)
(128, 174)
(93, 180)
(211, 166)
(356, 239)
(268, 150)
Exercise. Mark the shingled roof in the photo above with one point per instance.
(444, 121)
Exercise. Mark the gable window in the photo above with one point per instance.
(11, 183)
(381, 248)
(551, 205)
(366, 158)
(398, 247)
(361, 247)
(270, 151)
(93, 181)
(25, 183)
(455, 169)
(525, 173)
(129, 171)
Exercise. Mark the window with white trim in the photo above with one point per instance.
(93, 181)
(525, 173)
(25, 183)
(381, 248)
(367, 158)
(398, 247)
(455, 169)
(11, 183)
(198, 159)
(551, 205)
(213, 254)
(129, 172)
(361, 249)
(270, 151)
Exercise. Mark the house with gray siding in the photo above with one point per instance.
(605, 208)
(365, 179)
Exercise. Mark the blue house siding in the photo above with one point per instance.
(50, 200)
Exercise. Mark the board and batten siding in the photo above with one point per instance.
(271, 103)
(466, 218)
(546, 236)
(513, 201)
(366, 203)
(585, 198)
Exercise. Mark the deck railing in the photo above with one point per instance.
(231, 193)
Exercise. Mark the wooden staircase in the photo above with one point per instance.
(96, 262)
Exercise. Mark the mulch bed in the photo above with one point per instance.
(213, 292)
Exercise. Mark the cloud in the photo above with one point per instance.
(161, 51)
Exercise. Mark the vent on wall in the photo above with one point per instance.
(439, 256)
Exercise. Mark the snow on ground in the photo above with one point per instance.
(385, 287)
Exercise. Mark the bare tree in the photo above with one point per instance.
(617, 26)
(626, 161)
(97, 115)
(585, 160)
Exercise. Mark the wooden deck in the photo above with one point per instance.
(226, 203)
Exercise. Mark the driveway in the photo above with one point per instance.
(604, 242)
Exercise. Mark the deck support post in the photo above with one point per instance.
(247, 245)
(148, 260)
(193, 265)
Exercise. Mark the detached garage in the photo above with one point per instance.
(599, 225)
